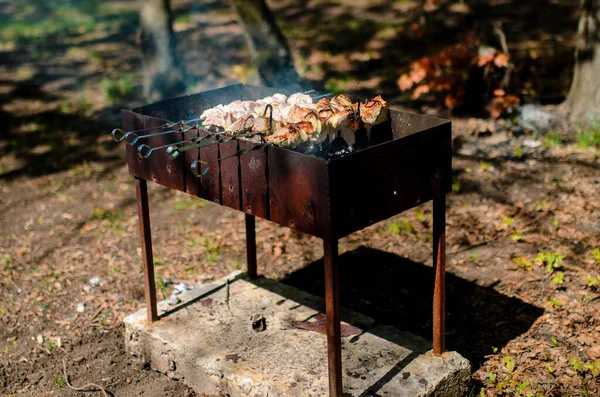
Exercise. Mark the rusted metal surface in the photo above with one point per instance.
(318, 323)
(210, 182)
(159, 169)
(191, 182)
(439, 268)
(254, 174)
(230, 174)
(383, 180)
(332, 305)
(141, 191)
(299, 192)
(251, 246)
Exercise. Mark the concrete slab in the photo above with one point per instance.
(208, 342)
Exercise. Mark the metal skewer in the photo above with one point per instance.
(118, 134)
(123, 135)
(173, 151)
(196, 163)
(149, 150)
(195, 169)
(137, 138)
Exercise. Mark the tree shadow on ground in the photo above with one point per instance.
(48, 121)
(397, 291)
(391, 34)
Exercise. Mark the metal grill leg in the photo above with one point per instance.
(332, 302)
(251, 245)
(141, 190)
(439, 268)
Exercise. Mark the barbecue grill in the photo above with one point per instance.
(402, 163)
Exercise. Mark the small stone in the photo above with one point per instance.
(173, 300)
(531, 143)
(182, 287)
(423, 382)
(94, 281)
(80, 307)
(40, 339)
(87, 288)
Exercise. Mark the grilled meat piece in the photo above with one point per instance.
(290, 121)
(374, 111)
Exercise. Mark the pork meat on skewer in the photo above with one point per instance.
(289, 122)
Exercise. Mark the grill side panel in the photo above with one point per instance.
(254, 187)
(210, 183)
(192, 183)
(230, 174)
(299, 192)
(157, 168)
(377, 183)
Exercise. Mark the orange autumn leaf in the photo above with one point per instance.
(405, 82)
(415, 31)
(418, 73)
(484, 60)
(420, 90)
(496, 108)
(511, 101)
(499, 92)
(450, 101)
(501, 60)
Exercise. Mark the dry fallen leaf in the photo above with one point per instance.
(405, 82)
(501, 60)
(594, 352)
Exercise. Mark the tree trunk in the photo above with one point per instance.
(270, 51)
(583, 101)
(164, 76)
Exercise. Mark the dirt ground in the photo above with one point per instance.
(523, 219)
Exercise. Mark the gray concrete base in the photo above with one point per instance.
(208, 342)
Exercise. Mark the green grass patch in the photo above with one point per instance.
(59, 381)
(552, 260)
(589, 136)
(115, 89)
(188, 204)
(553, 140)
(46, 22)
(6, 262)
(113, 217)
(402, 226)
(86, 169)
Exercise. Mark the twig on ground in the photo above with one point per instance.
(84, 387)
(100, 309)
(502, 38)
